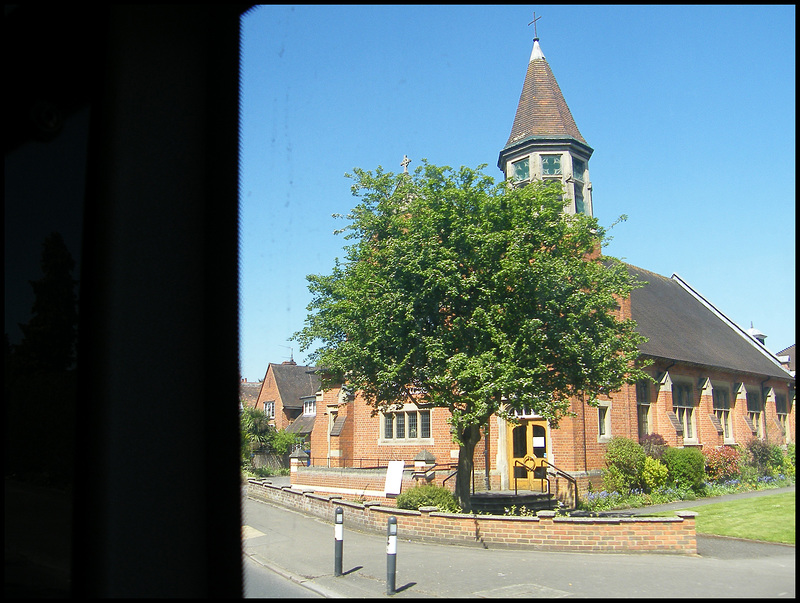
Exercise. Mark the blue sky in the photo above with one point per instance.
(690, 111)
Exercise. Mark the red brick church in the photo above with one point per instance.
(715, 384)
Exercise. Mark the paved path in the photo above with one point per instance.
(301, 548)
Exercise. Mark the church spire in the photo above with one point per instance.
(545, 141)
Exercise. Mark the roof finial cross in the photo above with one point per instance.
(535, 19)
(405, 163)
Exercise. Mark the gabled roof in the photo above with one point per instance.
(788, 352)
(542, 111)
(248, 392)
(683, 326)
(294, 382)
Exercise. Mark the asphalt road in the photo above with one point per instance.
(300, 548)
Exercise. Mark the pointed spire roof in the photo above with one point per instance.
(542, 111)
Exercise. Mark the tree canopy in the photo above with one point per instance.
(477, 296)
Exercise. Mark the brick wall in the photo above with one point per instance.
(577, 447)
(674, 535)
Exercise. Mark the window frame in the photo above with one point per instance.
(783, 417)
(683, 406)
(527, 162)
(604, 422)
(559, 171)
(309, 408)
(643, 406)
(755, 411)
(399, 425)
(721, 407)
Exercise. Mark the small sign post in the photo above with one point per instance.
(338, 533)
(391, 555)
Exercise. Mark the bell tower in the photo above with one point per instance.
(545, 143)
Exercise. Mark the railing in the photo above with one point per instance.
(571, 480)
(528, 470)
(544, 463)
(455, 465)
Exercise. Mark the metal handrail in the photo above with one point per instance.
(450, 466)
(565, 475)
(528, 469)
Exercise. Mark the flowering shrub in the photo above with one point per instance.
(722, 463)
(653, 445)
(765, 457)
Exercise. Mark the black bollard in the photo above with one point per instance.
(391, 555)
(338, 533)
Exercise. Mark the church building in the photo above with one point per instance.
(714, 383)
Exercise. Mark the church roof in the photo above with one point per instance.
(683, 326)
(542, 111)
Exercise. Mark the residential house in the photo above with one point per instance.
(248, 392)
(288, 396)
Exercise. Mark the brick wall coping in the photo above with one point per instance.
(546, 531)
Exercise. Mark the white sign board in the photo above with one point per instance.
(394, 476)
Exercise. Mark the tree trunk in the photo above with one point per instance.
(469, 438)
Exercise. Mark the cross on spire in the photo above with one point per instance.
(535, 19)
(405, 163)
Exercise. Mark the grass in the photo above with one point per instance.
(769, 518)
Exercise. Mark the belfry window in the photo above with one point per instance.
(551, 165)
(522, 169)
(578, 170)
(580, 206)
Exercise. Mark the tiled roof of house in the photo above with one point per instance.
(294, 382)
(683, 326)
(248, 392)
(790, 353)
(542, 111)
(303, 424)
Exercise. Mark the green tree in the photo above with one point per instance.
(256, 431)
(479, 297)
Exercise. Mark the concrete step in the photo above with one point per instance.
(495, 503)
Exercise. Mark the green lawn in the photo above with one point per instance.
(769, 518)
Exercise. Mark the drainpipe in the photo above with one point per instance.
(764, 409)
(583, 418)
(486, 456)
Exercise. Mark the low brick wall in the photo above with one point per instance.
(546, 532)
